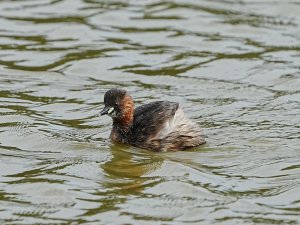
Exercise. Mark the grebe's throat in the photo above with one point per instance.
(124, 121)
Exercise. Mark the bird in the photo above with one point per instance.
(159, 126)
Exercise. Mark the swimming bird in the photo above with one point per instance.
(159, 126)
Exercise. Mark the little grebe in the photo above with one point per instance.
(158, 126)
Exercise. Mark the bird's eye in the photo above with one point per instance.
(116, 104)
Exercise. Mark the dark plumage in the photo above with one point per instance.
(157, 126)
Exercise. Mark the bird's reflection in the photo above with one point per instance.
(128, 167)
(125, 176)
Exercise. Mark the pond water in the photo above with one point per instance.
(232, 65)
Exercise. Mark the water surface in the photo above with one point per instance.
(232, 65)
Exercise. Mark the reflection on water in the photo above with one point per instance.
(233, 66)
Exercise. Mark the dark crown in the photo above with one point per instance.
(113, 96)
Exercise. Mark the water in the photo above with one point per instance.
(233, 66)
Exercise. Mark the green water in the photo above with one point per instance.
(232, 65)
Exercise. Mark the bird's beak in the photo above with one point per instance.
(107, 110)
(104, 111)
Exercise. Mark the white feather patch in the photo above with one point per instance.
(111, 110)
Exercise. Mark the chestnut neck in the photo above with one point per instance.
(124, 122)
